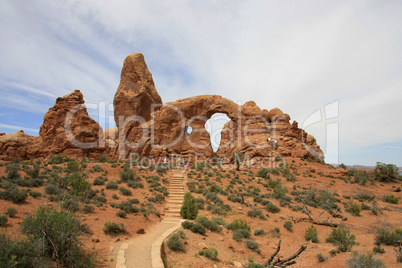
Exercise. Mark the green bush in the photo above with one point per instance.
(386, 172)
(272, 208)
(251, 244)
(121, 213)
(11, 212)
(388, 237)
(189, 209)
(86, 208)
(238, 224)
(14, 195)
(256, 213)
(3, 220)
(125, 191)
(320, 258)
(364, 261)
(79, 186)
(259, 231)
(175, 243)
(342, 238)
(311, 234)
(126, 174)
(99, 181)
(289, 226)
(35, 194)
(187, 225)
(58, 234)
(391, 199)
(239, 234)
(112, 228)
(111, 185)
(52, 189)
(208, 224)
(354, 208)
(126, 206)
(219, 220)
(210, 253)
(21, 253)
(70, 205)
(198, 229)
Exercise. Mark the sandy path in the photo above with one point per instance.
(143, 251)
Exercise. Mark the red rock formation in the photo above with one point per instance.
(66, 129)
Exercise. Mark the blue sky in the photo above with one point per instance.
(299, 56)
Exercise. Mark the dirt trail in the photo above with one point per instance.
(143, 251)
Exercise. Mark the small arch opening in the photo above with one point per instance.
(214, 127)
(189, 130)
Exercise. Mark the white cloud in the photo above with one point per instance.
(298, 57)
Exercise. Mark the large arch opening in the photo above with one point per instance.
(214, 127)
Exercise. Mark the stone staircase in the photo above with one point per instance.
(175, 199)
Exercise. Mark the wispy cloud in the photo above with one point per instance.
(298, 57)
(18, 128)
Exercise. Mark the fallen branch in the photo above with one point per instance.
(285, 262)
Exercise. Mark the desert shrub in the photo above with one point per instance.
(189, 209)
(121, 213)
(35, 194)
(86, 208)
(364, 261)
(70, 205)
(200, 202)
(259, 231)
(14, 195)
(311, 234)
(99, 181)
(210, 253)
(58, 234)
(360, 177)
(126, 206)
(111, 185)
(208, 224)
(364, 196)
(79, 186)
(234, 198)
(391, 199)
(251, 244)
(198, 229)
(386, 172)
(125, 191)
(99, 199)
(256, 213)
(272, 208)
(175, 243)
(12, 171)
(17, 253)
(378, 249)
(219, 209)
(321, 258)
(239, 234)
(289, 226)
(353, 208)
(238, 224)
(126, 174)
(112, 228)
(366, 207)
(3, 220)
(219, 220)
(187, 225)
(11, 212)
(52, 189)
(135, 184)
(388, 237)
(342, 238)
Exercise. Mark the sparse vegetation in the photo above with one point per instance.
(175, 242)
(210, 253)
(342, 238)
(364, 261)
(189, 209)
(311, 234)
(112, 228)
(391, 199)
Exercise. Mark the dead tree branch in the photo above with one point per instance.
(285, 262)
